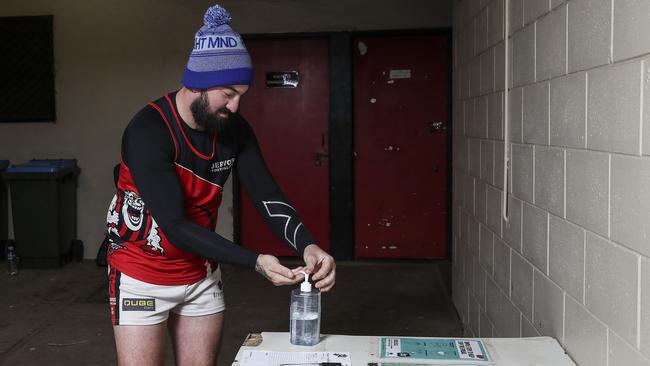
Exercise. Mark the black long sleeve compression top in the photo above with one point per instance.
(161, 221)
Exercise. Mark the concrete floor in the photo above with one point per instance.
(60, 317)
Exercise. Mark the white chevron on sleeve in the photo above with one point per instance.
(268, 204)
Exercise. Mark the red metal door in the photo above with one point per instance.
(401, 110)
(291, 125)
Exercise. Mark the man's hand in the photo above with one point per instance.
(321, 266)
(270, 267)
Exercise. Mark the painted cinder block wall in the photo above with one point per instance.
(573, 260)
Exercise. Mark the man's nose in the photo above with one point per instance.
(233, 105)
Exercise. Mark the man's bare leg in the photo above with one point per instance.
(196, 339)
(141, 345)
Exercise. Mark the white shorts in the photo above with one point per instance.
(134, 302)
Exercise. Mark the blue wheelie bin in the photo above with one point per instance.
(4, 211)
(44, 208)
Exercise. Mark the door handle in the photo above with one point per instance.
(436, 126)
(319, 156)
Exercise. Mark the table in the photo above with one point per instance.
(537, 351)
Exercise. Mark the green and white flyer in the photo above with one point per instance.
(434, 349)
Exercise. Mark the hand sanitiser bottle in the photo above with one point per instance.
(305, 314)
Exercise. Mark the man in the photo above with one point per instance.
(164, 255)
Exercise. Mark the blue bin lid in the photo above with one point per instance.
(43, 166)
(4, 164)
(65, 163)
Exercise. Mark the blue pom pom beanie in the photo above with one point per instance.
(219, 57)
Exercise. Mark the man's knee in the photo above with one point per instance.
(196, 339)
(140, 344)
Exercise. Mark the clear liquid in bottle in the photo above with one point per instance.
(305, 315)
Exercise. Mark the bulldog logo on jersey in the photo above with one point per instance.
(132, 211)
(128, 220)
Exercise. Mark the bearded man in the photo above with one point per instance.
(164, 255)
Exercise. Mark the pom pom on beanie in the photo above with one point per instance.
(219, 57)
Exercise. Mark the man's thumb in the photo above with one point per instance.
(310, 263)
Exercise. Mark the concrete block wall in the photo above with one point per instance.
(573, 259)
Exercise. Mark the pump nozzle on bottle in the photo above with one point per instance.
(305, 286)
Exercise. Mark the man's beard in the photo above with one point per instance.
(214, 122)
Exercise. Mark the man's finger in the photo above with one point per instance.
(324, 267)
(274, 267)
(279, 280)
(296, 271)
(310, 264)
(284, 272)
(327, 283)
